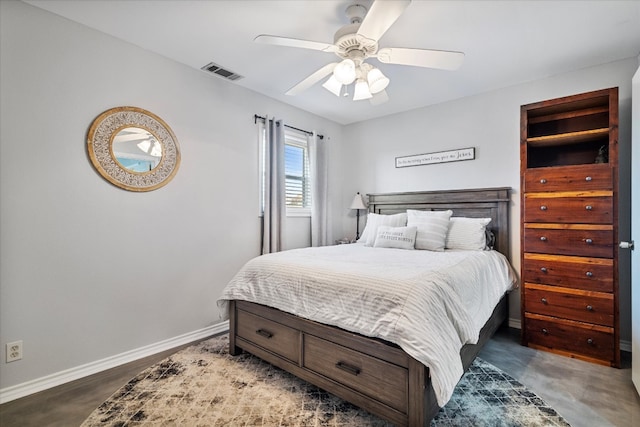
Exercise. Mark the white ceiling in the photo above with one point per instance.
(505, 42)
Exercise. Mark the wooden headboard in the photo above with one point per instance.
(478, 203)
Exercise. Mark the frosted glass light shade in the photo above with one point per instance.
(362, 90)
(377, 81)
(333, 85)
(345, 72)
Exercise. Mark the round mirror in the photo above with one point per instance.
(136, 149)
(133, 149)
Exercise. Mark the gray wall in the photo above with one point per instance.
(89, 270)
(490, 122)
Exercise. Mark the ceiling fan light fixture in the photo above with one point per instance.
(345, 72)
(333, 85)
(361, 90)
(377, 81)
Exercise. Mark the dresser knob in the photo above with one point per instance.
(589, 308)
(588, 178)
(588, 241)
(589, 274)
(544, 331)
(543, 181)
(543, 269)
(544, 300)
(543, 208)
(543, 239)
(590, 341)
(588, 207)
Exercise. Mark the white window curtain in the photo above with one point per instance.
(320, 233)
(274, 214)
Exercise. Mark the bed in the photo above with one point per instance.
(387, 377)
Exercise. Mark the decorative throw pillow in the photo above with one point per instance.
(375, 220)
(395, 237)
(432, 228)
(467, 233)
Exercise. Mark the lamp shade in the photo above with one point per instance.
(377, 81)
(345, 72)
(357, 202)
(333, 85)
(361, 90)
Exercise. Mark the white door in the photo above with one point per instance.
(635, 230)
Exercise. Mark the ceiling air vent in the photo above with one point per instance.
(218, 70)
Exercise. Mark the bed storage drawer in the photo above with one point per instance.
(591, 274)
(570, 337)
(574, 304)
(272, 336)
(381, 380)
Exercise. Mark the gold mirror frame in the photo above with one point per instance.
(104, 129)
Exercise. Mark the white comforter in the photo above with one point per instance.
(429, 303)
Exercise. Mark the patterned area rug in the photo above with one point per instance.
(202, 385)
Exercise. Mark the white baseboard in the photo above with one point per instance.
(515, 323)
(39, 384)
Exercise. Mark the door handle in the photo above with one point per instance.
(626, 245)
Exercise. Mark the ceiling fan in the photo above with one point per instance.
(354, 43)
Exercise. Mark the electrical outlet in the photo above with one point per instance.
(14, 351)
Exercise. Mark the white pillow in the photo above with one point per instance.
(467, 233)
(395, 237)
(432, 228)
(375, 220)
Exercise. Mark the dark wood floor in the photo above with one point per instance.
(585, 394)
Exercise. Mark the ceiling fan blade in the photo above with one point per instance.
(441, 59)
(286, 41)
(379, 98)
(312, 79)
(381, 15)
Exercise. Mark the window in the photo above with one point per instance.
(297, 175)
(297, 181)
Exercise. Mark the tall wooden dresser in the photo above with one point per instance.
(569, 226)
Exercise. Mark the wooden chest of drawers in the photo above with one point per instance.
(569, 183)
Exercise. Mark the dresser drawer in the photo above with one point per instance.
(571, 337)
(576, 178)
(571, 241)
(583, 306)
(571, 210)
(381, 380)
(591, 274)
(272, 336)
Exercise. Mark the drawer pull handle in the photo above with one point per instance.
(543, 239)
(589, 274)
(543, 269)
(589, 308)
(588, 241)
(588, 178)
(544, 300)
(348, 368)
(543, 208)
(264, 333)
(543, 181)
(588, 207)
(590, 341)
(544, 331)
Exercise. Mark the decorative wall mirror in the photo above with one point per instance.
(133, 149)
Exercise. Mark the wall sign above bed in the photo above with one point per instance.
(437, 157)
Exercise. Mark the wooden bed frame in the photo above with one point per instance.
(373, 374)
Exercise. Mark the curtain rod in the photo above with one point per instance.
(256, 117)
